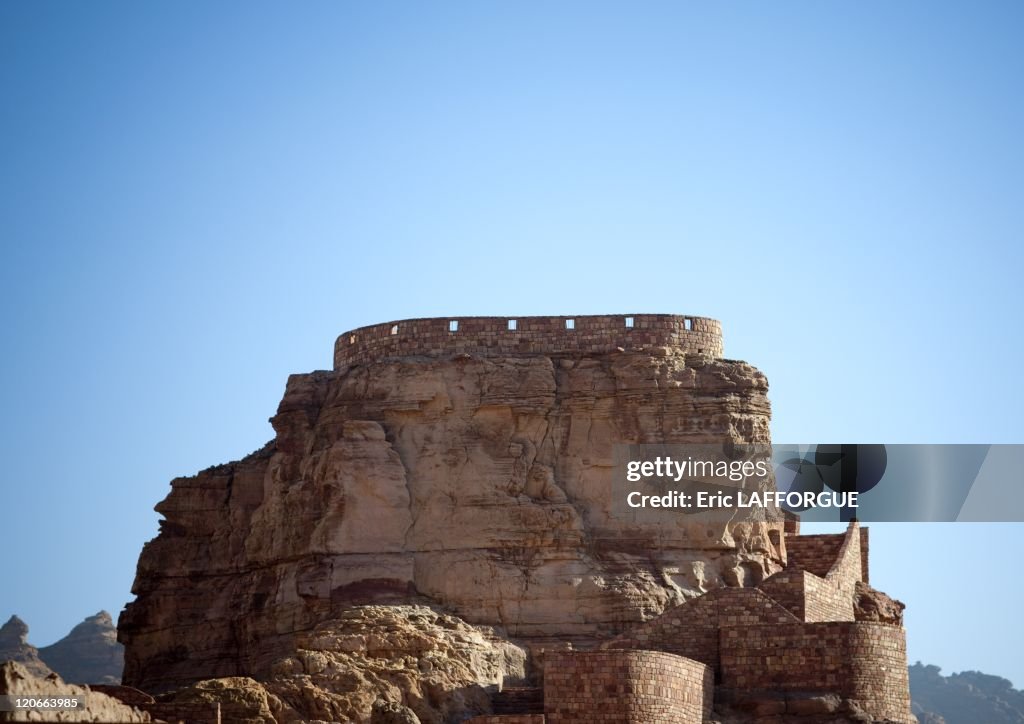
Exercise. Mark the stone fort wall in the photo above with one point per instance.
(859, 660)
(625, 687)
(692, 629)
(813, 589)
(509, 336)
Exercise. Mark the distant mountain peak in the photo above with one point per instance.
(14, 630)
(14, 646)
(89, 654)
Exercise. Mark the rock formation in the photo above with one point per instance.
(873, 605)
(17, 680)
(90, 654)
(14, 646)
(435, 513)
(480, 484)
(368, 662)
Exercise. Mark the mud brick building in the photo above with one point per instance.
(811, 644)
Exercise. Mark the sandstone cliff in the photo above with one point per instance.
(473, 485)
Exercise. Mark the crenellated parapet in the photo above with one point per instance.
(509, 336)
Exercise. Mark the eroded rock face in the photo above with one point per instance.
(398, 664)
(242, 700)
(14, 646)
(380, 661)
(481, 485)
(870, 604)
(90, 654)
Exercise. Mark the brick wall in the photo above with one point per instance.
(879, 679)
(826, 600)
(532, 335)
(842, 579)
(862, 661)
(791, 524)
(814, 553)
(625, 687)
(864, 568)
(787, 588)
(507, 719)
(849, 565)
(809, 597)
(691, 630)
(819, 582)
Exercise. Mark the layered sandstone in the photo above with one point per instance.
(468, 475)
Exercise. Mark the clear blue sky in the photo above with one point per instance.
(197, 198)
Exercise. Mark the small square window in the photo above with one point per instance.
(512, 325)
(394, 329)
(453, 325)
(570, 324)
(688, 324)
(629, 323)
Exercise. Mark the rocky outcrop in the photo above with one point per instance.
(965, 698)
(870, 604)
(14, 646)
(376, 664)
(90, 654)
(372, 660)
(242, 700)
(16, 680)
(479, 486)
